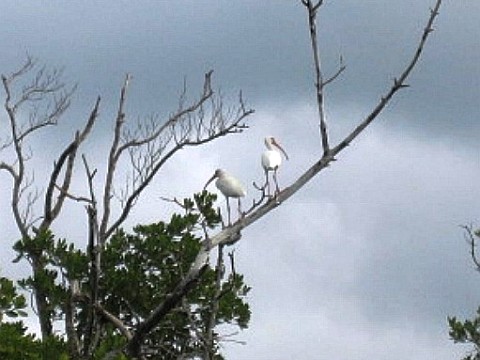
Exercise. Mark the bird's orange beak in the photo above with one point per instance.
(274, 142)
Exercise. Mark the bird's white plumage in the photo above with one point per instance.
(271, 161)
(271, 158)
(229, 185)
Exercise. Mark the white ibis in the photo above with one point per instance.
(229, 186)
(271, 161)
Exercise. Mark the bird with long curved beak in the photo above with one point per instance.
(230, 187)
(271, 161)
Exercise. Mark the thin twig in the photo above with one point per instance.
(319, 82)
(398, 83)
(470, 238)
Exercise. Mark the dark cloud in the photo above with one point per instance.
(260, 47)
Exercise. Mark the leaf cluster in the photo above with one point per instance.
(140, 269)
(467, 331)
(57, 263)
(16, 344)
(11, 303)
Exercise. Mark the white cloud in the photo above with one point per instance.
(368, 261)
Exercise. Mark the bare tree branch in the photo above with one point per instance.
(319, 83)
(398, 83)
(45, 87)
(113, 159)
(470, 238)
(115, 321)
(340, 70)
(51, 211)
(26, 67)
(71, 196)
(189, 126)
(18, 174)
(47, 99)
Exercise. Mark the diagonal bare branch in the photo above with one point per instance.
(189, 126)
(398, 83)
(206, 94)
(51, 209)
(114, 321)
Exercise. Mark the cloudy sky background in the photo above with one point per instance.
(367, 260)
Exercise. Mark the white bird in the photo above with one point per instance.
(229, 186)
(271, 161)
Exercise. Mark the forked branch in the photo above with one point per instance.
(67, 159)
(202, 121)
(46, 89)
(398, 83)
(470, 236)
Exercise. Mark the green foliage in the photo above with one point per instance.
(56, 262)
(112, 340)
(205, 202)
(467, 331)
(142, 268)
(11, 303)
(16, 344)
(138, 271)
(231, 305)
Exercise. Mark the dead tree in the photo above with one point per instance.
(147, 145)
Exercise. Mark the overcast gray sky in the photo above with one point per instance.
(367, 261)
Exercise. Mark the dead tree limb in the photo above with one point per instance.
(45, 88)
(200, 122)
(470, 238)
(312, 9)
(44, 99)
(52, 210)
(398, 83)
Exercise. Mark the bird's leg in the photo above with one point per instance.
(240, 214)
(220, 213)
(277, 189)
(228, 212)
(267, 183)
